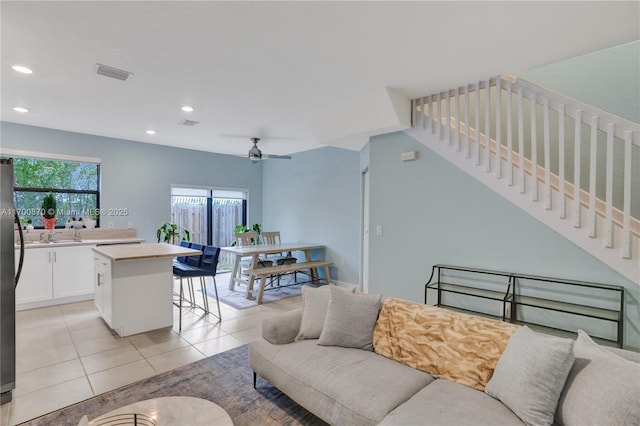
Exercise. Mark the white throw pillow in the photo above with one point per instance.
(315, 302)
(350, 320)
(531, 374)
(602, 389)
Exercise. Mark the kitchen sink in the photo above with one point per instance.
(36, 243)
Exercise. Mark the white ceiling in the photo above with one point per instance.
(298, 74)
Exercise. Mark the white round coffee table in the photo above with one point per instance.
(169, 411)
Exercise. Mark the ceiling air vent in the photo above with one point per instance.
(189, 123)
(112, 72)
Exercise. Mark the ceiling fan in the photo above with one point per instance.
(256, 155)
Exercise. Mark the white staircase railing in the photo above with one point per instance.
(574, 167)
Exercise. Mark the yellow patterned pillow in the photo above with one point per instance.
(456, 346)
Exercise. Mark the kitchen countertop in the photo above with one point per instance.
(83, 242)
(122, 252)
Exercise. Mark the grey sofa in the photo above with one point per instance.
(347, 386)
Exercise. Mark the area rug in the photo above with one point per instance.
(224, 379)
(236, 298)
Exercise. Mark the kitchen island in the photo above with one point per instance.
(134, 285)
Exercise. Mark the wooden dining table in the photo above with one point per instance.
(255, 251)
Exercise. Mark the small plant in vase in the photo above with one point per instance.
(90, 222)
(172, 232)
(28, 223)
(49, 208)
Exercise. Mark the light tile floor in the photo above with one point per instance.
(66, 353)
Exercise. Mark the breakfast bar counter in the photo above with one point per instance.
(134, 285)
(121, 252)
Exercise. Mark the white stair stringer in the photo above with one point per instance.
(626, 264)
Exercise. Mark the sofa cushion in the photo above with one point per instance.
(602, 388)
(444, 402)
(460, 347)
(283, 327)
(350, 319)
(315, 302)
(531, 375)
(339, 385)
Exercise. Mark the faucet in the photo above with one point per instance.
(41, 235)
(76, 235)
(53, 234)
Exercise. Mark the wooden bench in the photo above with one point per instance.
(263, 273)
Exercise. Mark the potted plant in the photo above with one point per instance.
(169, 232)
(49, 208)
(28, 223)
(242, 228)
(90, 222)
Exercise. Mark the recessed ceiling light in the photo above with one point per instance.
(187, 108)
(151, 132)
(20, 109)
(22, 69)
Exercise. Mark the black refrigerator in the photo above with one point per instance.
(9, 276)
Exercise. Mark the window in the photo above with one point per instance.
(210, 215)
(74, 184)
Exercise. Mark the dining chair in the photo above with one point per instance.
(249, 238)
(245, 239)
(273, 238)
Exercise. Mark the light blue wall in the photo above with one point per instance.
(432, 213)
(315, 197)
(138, 176)
(608, 79)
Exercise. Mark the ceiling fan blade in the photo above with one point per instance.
(276, 157)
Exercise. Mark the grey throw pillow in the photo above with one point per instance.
(531, 374)
(602, 389)
(315, 302)
(350, 319)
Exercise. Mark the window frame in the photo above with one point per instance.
(60, 157)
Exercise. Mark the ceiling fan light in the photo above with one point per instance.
(255, 153)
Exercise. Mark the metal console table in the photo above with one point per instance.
(549, 305)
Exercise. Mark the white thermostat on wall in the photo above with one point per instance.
(409, 155)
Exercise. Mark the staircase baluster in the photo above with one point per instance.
(458, 139)
(439, 114)
(509, 136)
(561, 176)
(477, 123)
(521, 140)
(430, 124)
(534, 148)
(466, 121)
(626, 220)
(576, 170)
(592, 176)
(498, 128)
(448, 106)
(487, 126)
(547, 155)
(608, 242)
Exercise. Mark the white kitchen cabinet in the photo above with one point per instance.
(72, 271)
(36, 279)
(55, 275)
(134, 296)
(103, 291)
